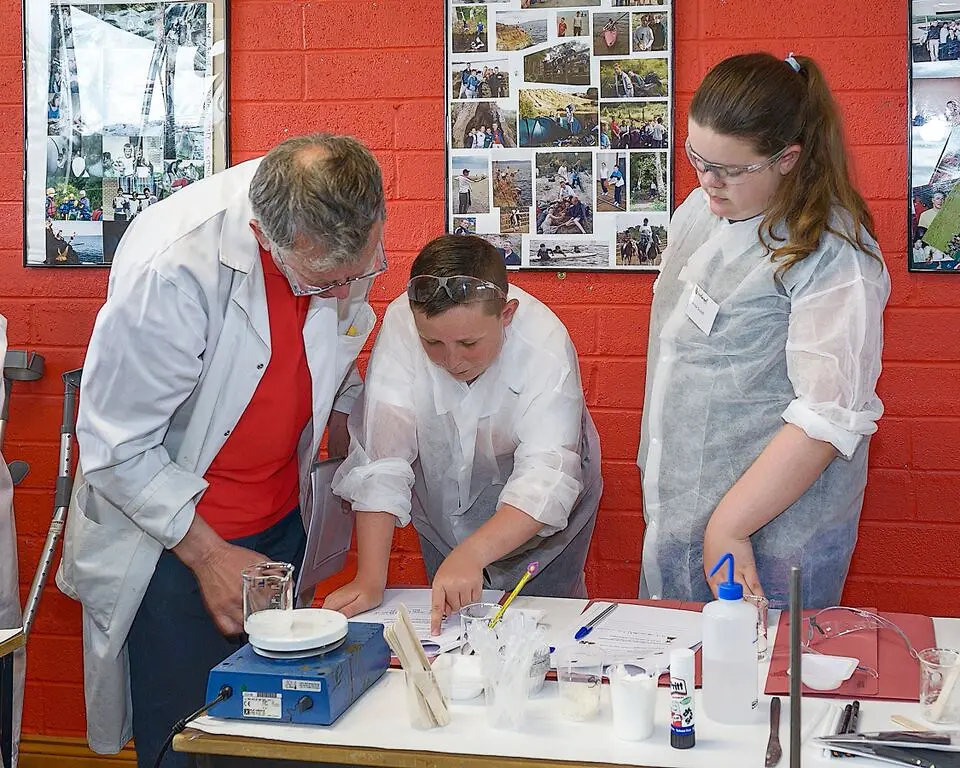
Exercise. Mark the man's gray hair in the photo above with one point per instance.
(326, 189)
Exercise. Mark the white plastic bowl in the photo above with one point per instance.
(826, 673)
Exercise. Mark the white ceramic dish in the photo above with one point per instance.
(826, 673)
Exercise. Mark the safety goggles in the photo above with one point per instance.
(300, 288)
(462, 289)
(838, 621)
(729, 174)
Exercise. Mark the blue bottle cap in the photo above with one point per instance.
(729, 589)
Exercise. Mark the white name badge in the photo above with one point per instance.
(702, 309)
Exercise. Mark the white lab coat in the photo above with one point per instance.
(427, 447)
(10, 613)
(175, 357)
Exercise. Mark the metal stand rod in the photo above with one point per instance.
(796, 621)
(61, 502)
(6, 710)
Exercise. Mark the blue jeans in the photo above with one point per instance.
(173, 643)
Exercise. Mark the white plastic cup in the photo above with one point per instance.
(633, 696)
(579, 675)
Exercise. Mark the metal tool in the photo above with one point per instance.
(796, 619)
(774, 751)
(61, 499)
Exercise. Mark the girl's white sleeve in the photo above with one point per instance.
(834, 343)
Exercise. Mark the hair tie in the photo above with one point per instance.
(794, 64)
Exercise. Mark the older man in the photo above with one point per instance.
(235, 312)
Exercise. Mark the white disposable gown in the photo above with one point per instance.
(803, 350)
(10, 615)
(432, 449)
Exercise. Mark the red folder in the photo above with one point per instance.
(881, 649)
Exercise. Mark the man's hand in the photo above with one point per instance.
(353, 598)
(717, 541)
(221, 585)
(338, 438)
(216, 565)
(458, 582)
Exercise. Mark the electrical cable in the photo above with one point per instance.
(225, 693)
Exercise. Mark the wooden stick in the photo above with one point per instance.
(907, 723)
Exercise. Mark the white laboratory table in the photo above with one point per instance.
(376, 731)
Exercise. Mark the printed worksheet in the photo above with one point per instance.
(639, 633)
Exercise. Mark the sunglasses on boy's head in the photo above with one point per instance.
(462, 289)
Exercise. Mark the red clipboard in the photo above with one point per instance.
(881, 649)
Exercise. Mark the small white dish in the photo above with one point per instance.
(826, 673)
(310, 629)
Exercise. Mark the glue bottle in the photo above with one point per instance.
(682, 686)
(729, 653)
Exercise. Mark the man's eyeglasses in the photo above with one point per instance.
(462, 289)
(729, 174)
(299, 288)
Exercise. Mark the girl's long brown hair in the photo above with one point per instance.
(763, 100)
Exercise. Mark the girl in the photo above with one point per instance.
(765, 340)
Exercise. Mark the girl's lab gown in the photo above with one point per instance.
(804, 350)
(446, 455)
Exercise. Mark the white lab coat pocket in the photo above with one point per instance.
(100, 547)
(350, 340)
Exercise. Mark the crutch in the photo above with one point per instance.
(18, 365)
(61, 500)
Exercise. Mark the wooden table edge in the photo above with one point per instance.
(12, 643)
(199, 742)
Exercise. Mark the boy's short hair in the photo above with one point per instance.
(450, 255)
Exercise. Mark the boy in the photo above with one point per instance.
(473, 425)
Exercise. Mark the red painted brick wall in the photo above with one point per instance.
(375, 69)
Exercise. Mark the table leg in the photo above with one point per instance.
(6, 710)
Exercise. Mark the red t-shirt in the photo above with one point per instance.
(254, 479)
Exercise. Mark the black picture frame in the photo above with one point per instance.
(124, 104)
(519, 224)
(933, 137)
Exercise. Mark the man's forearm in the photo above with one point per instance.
(197, 545)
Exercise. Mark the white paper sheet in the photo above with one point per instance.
(640, 633)
(418, 606)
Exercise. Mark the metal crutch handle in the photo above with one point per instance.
(71, 380)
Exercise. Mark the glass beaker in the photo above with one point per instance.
(940, 685)
(268, 599)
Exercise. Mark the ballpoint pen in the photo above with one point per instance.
(587, 628)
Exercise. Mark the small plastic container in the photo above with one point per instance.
(579, 674)
(633, 697)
